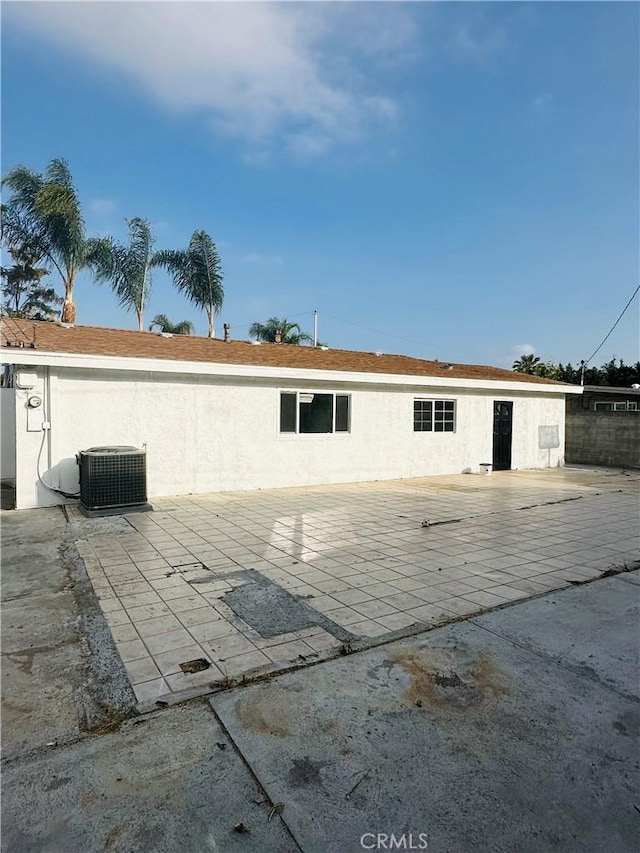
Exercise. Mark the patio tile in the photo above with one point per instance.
(289, 651)
(403, 601)
(147, 691)
(213, 629)
(352, 596)
(170, 594)
(375, 609)
(406, 584)
(131, 650)
(456, 588)
(345, 616)
(511, 593)
(169, 662)
(486, 599)
(139, 600)
(124, 633)
(159, 625)
(116, 617)
(148, 611)
(322, 641)
(169, 640)
(246, 662)
(141, 669)
(396, 621)
(460, 606)
(430, 594)
(430, 614)
(109, 604)
(227, 647)
(331, 586)
(324, 603)
(184, 681)
(368, 628)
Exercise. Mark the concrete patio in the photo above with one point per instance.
(239, 584)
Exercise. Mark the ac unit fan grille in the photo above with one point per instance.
(112, 477)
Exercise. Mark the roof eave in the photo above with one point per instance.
(246, 371)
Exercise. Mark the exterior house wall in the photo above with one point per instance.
(7, 436)
(603, 438)
(213, 433)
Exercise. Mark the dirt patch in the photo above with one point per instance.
(471, 684)
(274, 712)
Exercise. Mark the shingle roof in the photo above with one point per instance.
(95, 340)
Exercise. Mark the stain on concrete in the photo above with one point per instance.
(305, 772)
(628, 724)
(473, 683)
(273, 711)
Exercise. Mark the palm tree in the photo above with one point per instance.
(290, 333)
(164, 323)
(527, 364)
(126, 268)
(197, 273)
(44, 212)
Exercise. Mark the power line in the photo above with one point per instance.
(614, 325)
(375, 331)
(288, 317)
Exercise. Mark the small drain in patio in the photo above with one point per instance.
(197, 665)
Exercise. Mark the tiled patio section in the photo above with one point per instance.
(359, 555)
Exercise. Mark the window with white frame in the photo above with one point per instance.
(617, 406)
(434, 415)
(304, 412)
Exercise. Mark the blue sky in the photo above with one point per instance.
(446, 180)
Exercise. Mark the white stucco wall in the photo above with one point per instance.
(208, 433)
(7, 435)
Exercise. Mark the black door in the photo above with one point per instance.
(502, 426)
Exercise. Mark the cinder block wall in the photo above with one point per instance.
(603, 438)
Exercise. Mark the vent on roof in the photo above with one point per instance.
(166, 335)
(255, 343)
(112, 480)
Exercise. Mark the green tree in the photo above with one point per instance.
(24, 294)
(290, 333)
(165, 325)
(44, 212)
(527, 364)
(197, 272)
(126, 268)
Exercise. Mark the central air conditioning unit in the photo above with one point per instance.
(113, 480)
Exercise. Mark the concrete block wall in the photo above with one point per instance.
(603, 438)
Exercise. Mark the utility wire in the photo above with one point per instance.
(288, 317)
(375, 331)
(614, 325)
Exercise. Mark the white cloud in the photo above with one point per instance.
(258, 71)
(522, 349)
(471, 45)
(102, 206)
(265, 260)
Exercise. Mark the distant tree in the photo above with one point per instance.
(126, 268)
(44, 212)
(165, 325)
(612, 374)
(527, 364)
(24, 294)
(290, 333)
(197, 272)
